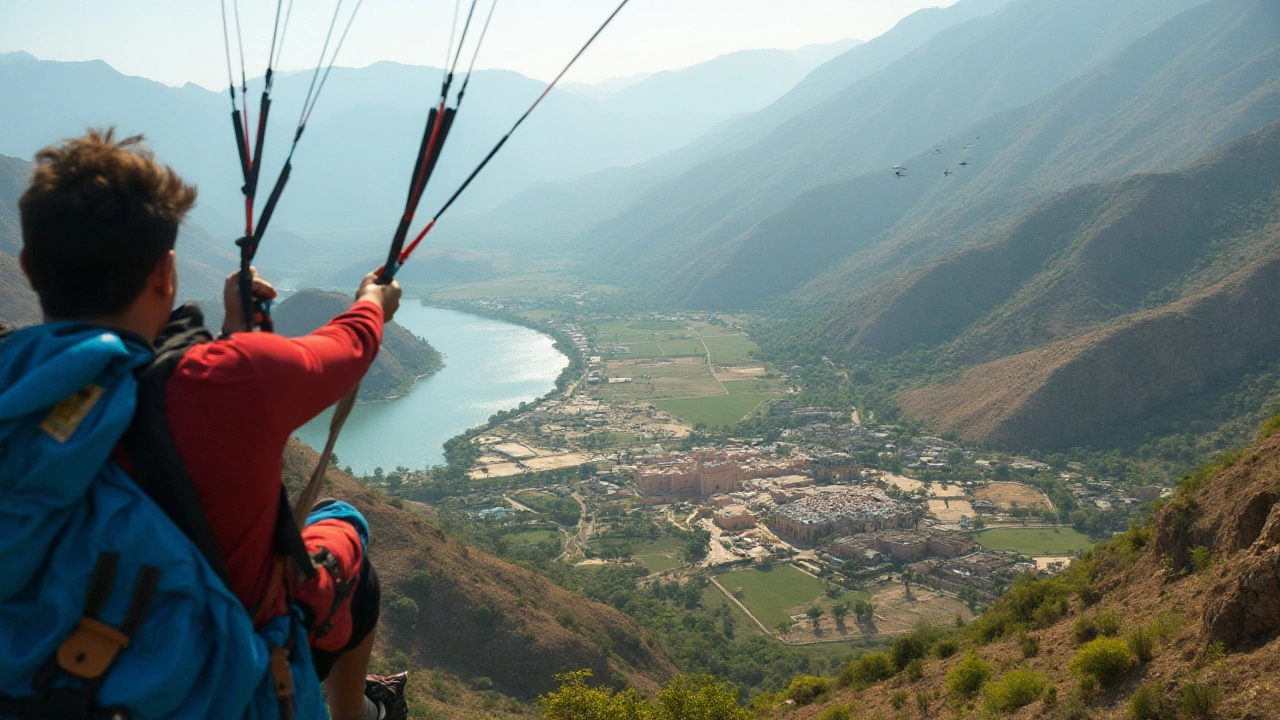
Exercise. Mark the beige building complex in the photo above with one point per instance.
(705, 472)
(842, 512)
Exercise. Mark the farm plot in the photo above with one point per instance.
(768, 593)
(716, 410)
(657, 379)
(730, 349)
(684, 347)
(1035, 542)
(1008, 495)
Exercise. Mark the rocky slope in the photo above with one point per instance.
(1213, 623)
(1074, 391)
(18, 304)
(402, 361)
(478, 616)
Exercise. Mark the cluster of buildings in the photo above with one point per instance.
(704, 473)
(840, 511)
(901, 546)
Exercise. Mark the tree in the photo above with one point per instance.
(784, 626)
(575, 700)
(814, 614)
(839, 611)
(864, 610)
(850, 566)
(908, 577)
(698, 698)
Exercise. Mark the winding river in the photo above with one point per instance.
(490, 365)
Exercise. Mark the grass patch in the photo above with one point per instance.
(716, 410)
(1035, 542)
(743, 387)
(657, 325)
(768, 593)
(532, 537)
(639, 350)
(730, 349)
(683, 348)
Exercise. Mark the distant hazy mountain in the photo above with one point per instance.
(553, 214)
(353, 166)
(402, 359)
(1127, 114)
(967, 72)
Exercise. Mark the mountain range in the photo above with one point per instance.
(352, 166)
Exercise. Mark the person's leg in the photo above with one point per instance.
(345, 684)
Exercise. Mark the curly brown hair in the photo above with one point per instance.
(99, 215)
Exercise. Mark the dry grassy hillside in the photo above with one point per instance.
(477, 616)
(1202, 584)
(1073, 391)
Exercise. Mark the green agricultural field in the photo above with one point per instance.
(768, 593)
(1035, 542)
(532, 537)
(683, 348)
(658, 325)
(639, 350)
(730, 349)
(715, 410)
(740, 387)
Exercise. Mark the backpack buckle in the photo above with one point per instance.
(90, 649)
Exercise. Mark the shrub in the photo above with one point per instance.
(914, 669)
(1016, 689)
(1108, 624)
(866, 670)
(480, 683)
(1051, 695)
(1140, 644)
(1084, 629)
(898, 700)
(1150, 703)
(1030, 645)
(836, 712)
(966, 679)
(906, 648)
(1103, 660)
(403, 611)
(1201, 558)
(807, 688)
(1199, 700)
(946, 648)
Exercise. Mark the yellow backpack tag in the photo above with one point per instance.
(67, 415)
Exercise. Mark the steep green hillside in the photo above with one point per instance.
(963, 74)
(1074, 392)
(403, 359)
(1201, 79)
(1090, 255)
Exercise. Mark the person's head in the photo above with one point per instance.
(99, 223)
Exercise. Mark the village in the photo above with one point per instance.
(918, 527)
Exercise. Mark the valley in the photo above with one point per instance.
(936, 375)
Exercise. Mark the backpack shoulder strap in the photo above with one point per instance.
(158, 469)
(5, 331)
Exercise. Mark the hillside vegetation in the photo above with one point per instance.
(456, 608)
(403, 359)
(1175, 620)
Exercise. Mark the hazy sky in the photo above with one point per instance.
(176, 41)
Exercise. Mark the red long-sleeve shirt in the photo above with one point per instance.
(231, 406)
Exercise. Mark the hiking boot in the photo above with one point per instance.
(388, 694)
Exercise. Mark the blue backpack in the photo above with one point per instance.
(113, 599)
